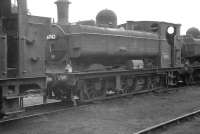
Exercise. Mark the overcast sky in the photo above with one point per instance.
(185, 12)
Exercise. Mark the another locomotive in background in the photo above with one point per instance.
(22, 54)
(91, 60)
(191, 46)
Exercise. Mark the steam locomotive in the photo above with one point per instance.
(22, 57)
(88, 60)
(91, 60)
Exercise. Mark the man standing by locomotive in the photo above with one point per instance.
(188, 73)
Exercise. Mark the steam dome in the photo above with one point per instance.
(106, 18)
(194, 32)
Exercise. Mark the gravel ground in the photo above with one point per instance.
(120, 116)
(192, 127)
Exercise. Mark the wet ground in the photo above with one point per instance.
(120, 116)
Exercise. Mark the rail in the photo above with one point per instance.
(167, 124)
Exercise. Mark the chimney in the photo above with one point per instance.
(22, 5)
(62, 11)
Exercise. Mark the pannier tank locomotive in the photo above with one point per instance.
(91, 60)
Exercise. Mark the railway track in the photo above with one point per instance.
(46, 109)
(59, 108)
(165, 125)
